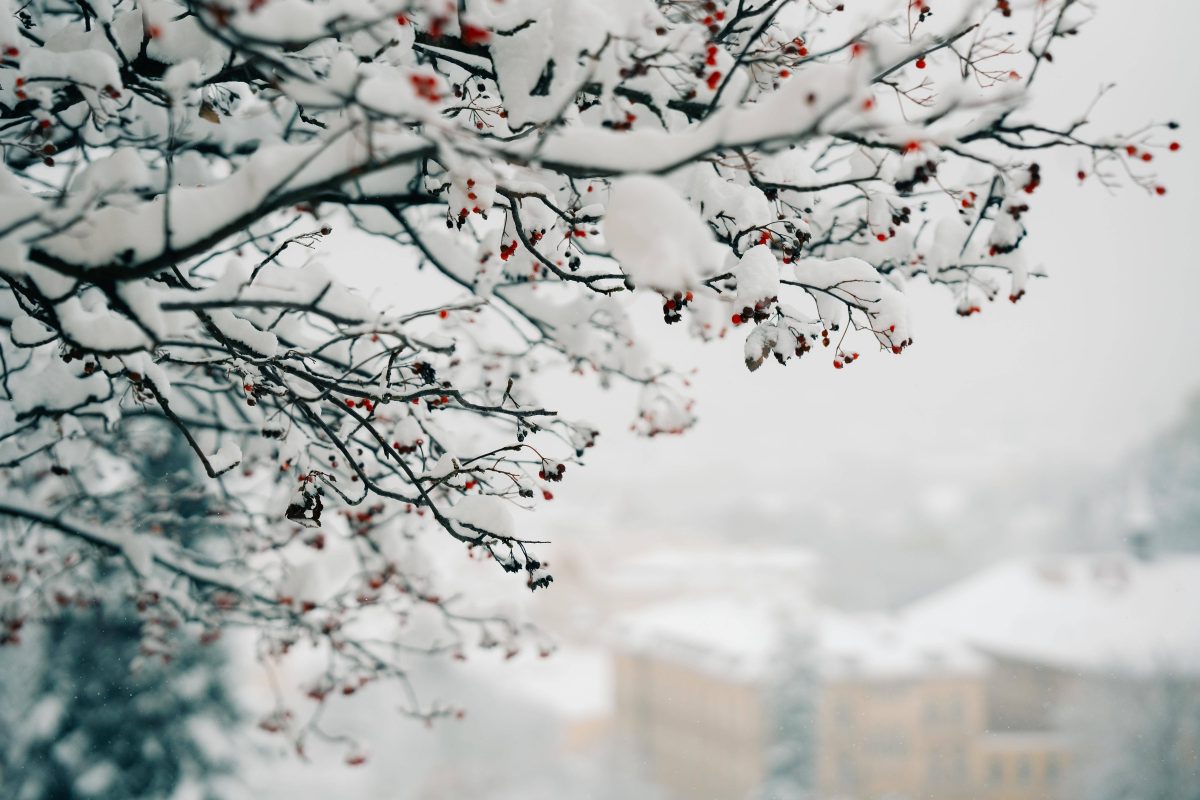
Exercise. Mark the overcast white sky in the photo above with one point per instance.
(1091, 363)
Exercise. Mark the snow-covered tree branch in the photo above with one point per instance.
(773, 169)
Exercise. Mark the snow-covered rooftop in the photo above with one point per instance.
(1093, 612)
(726, 636)
(889, 647)
(738, 638)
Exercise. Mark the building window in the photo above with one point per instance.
(955, 709)
(1024, 770)
(958, 766)
(847, 772)
(996, 771)
(1052, 769)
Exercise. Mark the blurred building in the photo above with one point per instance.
(973, 693)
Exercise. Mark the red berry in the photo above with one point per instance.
(920, 63)
(736, 319)
(837, 364)
(473, 34)
(443, 313)
(1174, 146)
(1160, 190)
(1147, 157)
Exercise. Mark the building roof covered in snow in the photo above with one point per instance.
(731, 637)
(1082, 612)
(740, 638)
(890, 647)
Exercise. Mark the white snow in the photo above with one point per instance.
(658, 238)
(483, 512)
(1097, 612)
(226, 458)
(757, 276)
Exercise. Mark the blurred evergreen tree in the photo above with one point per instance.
(792, 701)
(94, 706)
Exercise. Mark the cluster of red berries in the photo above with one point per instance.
(843, 359)
(638, 69)
(362, 521)
(275, 721)
(1133, 152)
(898, 347)
(555, 474)
(921, 175)
(252, 393)
(673, 306)
(1035, 178)
(426, 87)
(89, 367)
(796, 47)
(463, 90)
(408, 448)
(756, 314)
(712, 15)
